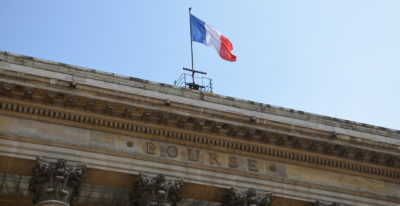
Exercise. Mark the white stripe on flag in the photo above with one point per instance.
(213, 37)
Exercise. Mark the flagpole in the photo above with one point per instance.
(191, 41)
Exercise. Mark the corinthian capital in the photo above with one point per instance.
(326, 203)
(237, 197)
(155, 190)
(56, 181)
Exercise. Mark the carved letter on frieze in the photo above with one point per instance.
(214, 159)
(193, 155)
(233, 162)
(248, 197)
(150, 148)
(172, 151)
(252, 165)
(56, 182)
(151, 190)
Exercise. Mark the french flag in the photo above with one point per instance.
(208, 35)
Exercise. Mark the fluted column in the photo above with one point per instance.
(246, 197)
(56, 182)
(155, 190)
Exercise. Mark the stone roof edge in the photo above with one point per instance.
(203, 96)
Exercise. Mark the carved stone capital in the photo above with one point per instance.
(56, 181)
(155, 190)
(327, 203)
(237, 197)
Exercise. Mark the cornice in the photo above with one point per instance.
(82, 75)
(245, 125)
(205, 114)
(249, 126)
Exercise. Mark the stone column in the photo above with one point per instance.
(243, 197)
(56, 182)
(155, 190)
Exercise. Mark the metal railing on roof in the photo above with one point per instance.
(192, 81)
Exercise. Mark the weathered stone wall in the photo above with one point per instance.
(122, 126)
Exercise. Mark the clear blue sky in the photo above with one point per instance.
(337, 58)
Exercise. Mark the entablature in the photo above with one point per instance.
(160, 121)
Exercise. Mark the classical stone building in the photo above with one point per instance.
(76, 136)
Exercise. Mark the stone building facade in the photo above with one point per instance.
(76, 136)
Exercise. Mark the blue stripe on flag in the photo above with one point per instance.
(198, 29)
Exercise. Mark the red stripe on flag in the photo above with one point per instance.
(225, 50)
